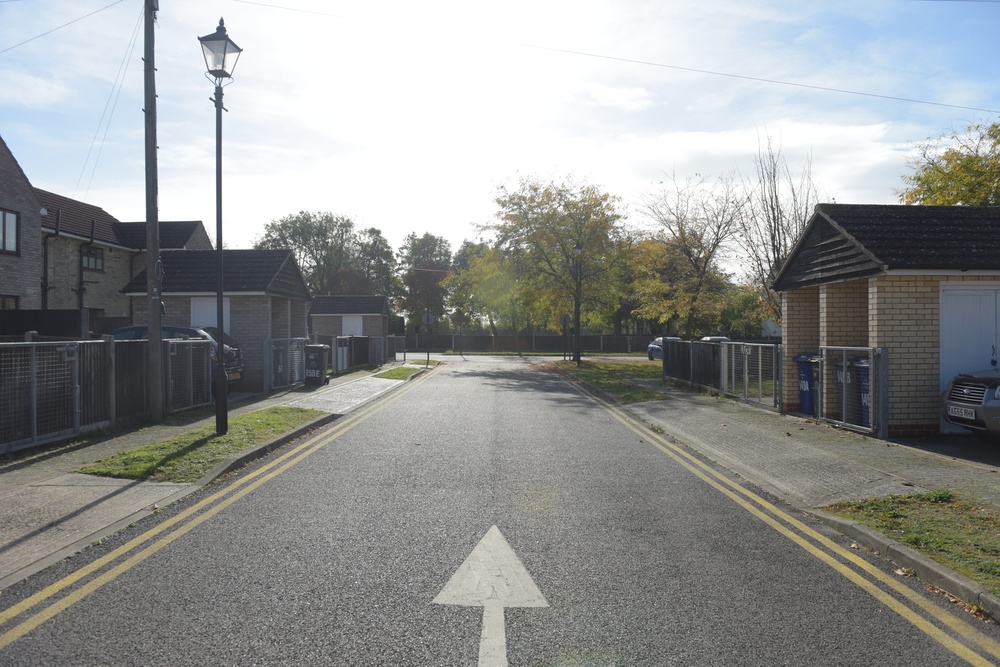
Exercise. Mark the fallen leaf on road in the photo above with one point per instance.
(854, 545)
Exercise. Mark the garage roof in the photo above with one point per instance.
(848, 241)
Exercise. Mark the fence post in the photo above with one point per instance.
(109, 342)
(882, 355)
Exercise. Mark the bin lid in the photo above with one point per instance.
(807, 357)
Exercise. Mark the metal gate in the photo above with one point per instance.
(752, 371)
(851, 388)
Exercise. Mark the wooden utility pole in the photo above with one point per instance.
(154, 269)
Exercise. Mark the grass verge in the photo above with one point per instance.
(399, 373)
(614, 377)
(186, 457)
(960, 535)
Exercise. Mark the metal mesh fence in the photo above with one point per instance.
(189, 371)
(39, 392)
(752, 372)
(288, 361)
(848, 380)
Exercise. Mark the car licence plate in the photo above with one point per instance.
(963, 413)
(235, 375)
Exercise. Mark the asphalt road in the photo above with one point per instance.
(590, 542)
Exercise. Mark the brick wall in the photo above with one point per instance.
(906, 316)
(247, 318)
(20, 274)
(799, 335)
(327, 325)
(374, 326)
(102, 288)
(843, 314)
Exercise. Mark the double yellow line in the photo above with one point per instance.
(845, 562)
(184, 522)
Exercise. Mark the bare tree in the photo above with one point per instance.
(698, 218)
(778, 206)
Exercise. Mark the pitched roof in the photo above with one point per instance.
(848, 241)
(75, 217)
(272, 272)
(174, 235)
(349, 305)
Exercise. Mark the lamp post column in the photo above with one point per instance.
(577, 297)
(221, 54)
(221, 390)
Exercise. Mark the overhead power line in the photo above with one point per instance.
(761, 79)
(48, 32)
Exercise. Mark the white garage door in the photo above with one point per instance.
(352, 325)
(205, 312)
(969, 330)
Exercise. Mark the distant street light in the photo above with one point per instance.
(578, 279)
(221, 54)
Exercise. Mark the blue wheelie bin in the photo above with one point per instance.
(807, 383)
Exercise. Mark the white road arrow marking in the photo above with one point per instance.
(492, 577)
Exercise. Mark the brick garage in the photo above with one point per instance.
(350, 316)
(266, 296)
(878, 276)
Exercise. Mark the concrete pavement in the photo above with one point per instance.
(48, 512)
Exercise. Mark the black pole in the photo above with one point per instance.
(221, 391)
(577, 356)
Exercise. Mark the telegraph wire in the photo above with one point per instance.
(49, 32)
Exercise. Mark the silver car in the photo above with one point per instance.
(972, 400)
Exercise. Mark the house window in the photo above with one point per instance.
(92, 258)
(9, 228)
(8, 302)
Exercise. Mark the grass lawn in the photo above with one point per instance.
(185, 458)
(960, 535)
(399, 373)
(613, 377)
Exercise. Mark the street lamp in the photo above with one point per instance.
(221, 54)
(578, 279)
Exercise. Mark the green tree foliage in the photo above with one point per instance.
(537, 228)
(333, 258)
(425, 261)
(321, 243)
(695, 220)
(741, 315)
(956, 169)
(671, 292)
(483, 287)
(376, 262)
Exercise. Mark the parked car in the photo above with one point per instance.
(232, 354)
(972, 400)
(715, 339)
(655, 349)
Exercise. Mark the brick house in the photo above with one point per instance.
(350, 316)
(20, 236)
(922, 282)
(88, 255)
(265, 298)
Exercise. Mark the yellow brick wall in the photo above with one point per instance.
(843, 314)
(799, 335)
(899, 313)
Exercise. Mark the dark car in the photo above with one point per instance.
(972, 400)
(655, 349)
(232, 355)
